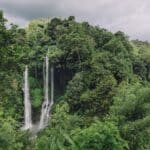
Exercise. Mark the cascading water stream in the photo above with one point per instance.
(47, 104)
(27, 103)
(50, 104)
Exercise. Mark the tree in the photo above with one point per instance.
(131, 108)
(99, 136)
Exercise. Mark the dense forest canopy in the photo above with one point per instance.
(102, 89)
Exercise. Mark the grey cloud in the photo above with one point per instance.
(130, 16)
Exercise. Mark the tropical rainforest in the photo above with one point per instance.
(101, 86)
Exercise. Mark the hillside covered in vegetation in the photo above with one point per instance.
(101, 87)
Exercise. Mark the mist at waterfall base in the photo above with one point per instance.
(47, 104)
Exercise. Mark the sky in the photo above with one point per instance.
(129, 16)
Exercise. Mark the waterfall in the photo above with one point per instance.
(27, 103)
(47, 104)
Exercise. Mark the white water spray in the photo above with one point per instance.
(27, 103)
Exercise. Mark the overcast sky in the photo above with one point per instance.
(130, 16)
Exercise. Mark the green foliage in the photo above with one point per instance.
(114, 46)
(3, 31)
(36, 92)
(98, 76)
(99, 136)
(131, 107)
(54, 54)
(36, 32)
(10, 137)
(57, 135)
(36, 95)
(77, 48)
(65, 133)
(143, 49)
(90, 93)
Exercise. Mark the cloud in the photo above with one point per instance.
(130, 16)
(15, 19)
